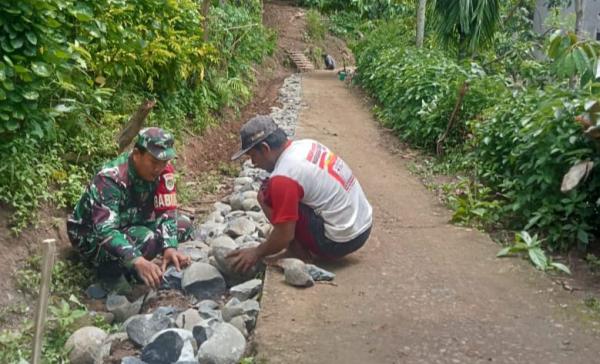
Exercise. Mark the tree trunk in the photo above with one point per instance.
(578, 18)
(205, 10)
(421, 22)
(134, 125)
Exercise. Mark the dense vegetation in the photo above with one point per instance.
(515, 120)
(73, 72)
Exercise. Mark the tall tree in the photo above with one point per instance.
(466, 24)
(578, 17)
(421, 22)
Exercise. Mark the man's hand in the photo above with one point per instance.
(172, 255)
(148, 271)
(243, 259)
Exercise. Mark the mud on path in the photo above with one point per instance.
(421, 290)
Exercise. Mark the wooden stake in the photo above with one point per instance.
(48, 251)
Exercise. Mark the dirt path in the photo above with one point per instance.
(421, 291)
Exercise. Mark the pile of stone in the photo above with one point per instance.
(223, 303)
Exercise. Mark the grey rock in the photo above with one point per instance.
(169, 346)
(209, 230)
(121, 307)
(251, 204)
(95, 291)
(203, 331)
(168, 311)
(246, 290)
(319, 274)
(295, 272)
(242, 180)
(226, 345)
(199, 244)
(188, 319)
(195, 254)
(236, 201)
(234, 215)
(250, 195)
(240, 226)
(85, 345)
(207, 314)
(248, 187)
(203, 281)
(132, 360)
(249, 321)
(230, 312)
(172, 278)
(207, 304)
(239, 323)
(250, 307)
(222, 208)
(264, 230)
(141, 328)
(104, 351)
(258, 217)
(216, 216)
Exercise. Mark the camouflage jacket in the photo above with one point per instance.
(117, 198)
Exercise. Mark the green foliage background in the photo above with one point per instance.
(72, 72)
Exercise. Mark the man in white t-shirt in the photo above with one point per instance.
(313, 200)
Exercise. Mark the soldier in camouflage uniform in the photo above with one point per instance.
(127, 214)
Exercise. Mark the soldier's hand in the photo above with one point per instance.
(148, 271)
(172, 255)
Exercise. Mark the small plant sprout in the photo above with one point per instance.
(525, 243)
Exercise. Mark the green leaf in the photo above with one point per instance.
(538, 258)
(11, 125)
(2, 95)
(561, 267)
(16, 43)
(40, 69)
(31, 95)
(31, 37)
(504, 252)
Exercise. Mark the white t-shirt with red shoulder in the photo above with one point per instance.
(308, 172)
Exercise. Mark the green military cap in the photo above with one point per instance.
(158, 142)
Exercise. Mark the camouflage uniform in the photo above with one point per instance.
(121, 216)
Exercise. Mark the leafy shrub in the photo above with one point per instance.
(314, 25)
(72, 72)
(524, 147)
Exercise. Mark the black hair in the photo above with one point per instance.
(275, 140)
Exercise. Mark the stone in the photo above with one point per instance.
(239, 323)
(226, 345)
(246, 290)
(85, 344)
(221, 247)
(188, 319)
(242, 181)
(250, 307)
(121, 307)
(216, 217)
(319, 274)
(250, 195)
(221, 208)
(209, 230)
(240, 226)
(171, 278)
(249, 321)
(203, 331)
(169, 346)
(236, 201)
(203, 281)
(264, 230)
(141, 328)
(235, 214)
(95, 291)
(198, 244)
(250, 204)
(295, 272)
(195, 254)
(258, 217)
(207, 304)
(132, 360)
(104, 350)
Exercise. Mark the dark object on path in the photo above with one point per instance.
(329, 62)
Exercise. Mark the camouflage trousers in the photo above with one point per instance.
(145, 238)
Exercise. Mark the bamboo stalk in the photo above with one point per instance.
(48, 251)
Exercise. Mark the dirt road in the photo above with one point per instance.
(421, 290)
